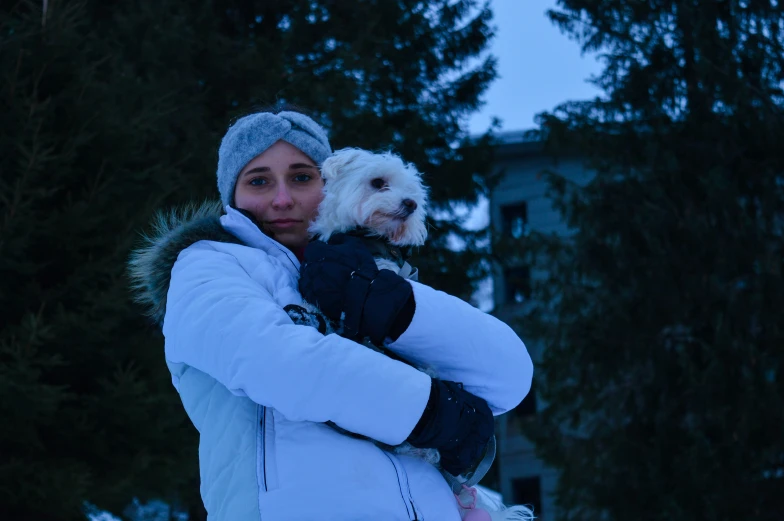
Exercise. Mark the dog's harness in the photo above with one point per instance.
(381, 247)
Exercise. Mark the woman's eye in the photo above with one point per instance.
(378, 183)
(258, 181)
(303, 178)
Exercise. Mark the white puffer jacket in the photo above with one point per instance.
(259, 388)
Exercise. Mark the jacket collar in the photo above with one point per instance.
(246, 231)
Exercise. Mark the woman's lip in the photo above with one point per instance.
(283, 223)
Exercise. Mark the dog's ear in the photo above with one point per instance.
(331, 166)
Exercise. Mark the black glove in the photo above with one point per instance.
(341, 277)
(455, 422)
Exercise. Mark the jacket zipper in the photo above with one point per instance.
(263, 470)
(405, 489)
(267, 467)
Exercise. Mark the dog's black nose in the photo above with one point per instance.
(410, 205)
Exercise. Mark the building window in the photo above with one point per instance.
(528, 406)
(528, 491)
(515, 219)
(517, 282)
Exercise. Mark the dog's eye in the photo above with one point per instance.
(378, 183)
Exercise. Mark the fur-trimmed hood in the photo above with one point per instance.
(172, 231)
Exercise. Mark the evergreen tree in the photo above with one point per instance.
(110, 111)
(89, 145)
(661, 315)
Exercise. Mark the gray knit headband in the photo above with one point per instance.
(253, 134)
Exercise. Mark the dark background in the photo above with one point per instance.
(661, 384)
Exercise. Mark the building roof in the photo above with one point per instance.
(510, 137)
(516, 143)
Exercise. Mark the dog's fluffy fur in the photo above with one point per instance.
(377, 192)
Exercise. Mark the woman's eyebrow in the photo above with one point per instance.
(262, 169)
(257, 170)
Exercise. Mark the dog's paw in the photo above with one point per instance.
(431, 456)
(306, 317)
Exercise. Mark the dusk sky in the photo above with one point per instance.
(539, 67)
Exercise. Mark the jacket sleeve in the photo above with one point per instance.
(463, 344)
(223, 323)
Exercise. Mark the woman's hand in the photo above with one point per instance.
(341, 278)
(455, 422)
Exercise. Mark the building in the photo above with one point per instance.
(517, 205)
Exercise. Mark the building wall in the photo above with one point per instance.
(522, 163)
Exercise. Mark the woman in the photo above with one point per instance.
(260, 389)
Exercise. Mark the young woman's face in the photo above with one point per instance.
(282, 188)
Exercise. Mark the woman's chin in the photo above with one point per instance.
(291, 239)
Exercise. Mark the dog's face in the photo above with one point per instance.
(375, 191)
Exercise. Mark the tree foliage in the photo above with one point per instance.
(661, 313)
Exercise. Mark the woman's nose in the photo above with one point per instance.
(282, 198)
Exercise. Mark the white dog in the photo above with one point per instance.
(377, 197)
(377, 194)
(382, 199)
